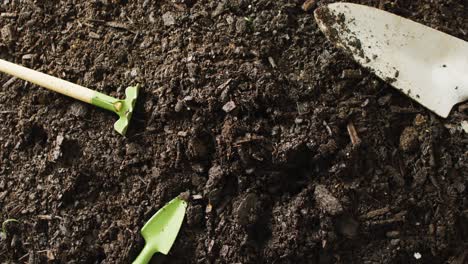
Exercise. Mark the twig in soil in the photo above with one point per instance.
(9, 82)
(308, 4)
(9, 15)
(116, 24)
(49, 217)
(353, 134)
(23, 257)
(377, 212)
(112, 24)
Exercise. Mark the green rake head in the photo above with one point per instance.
(123, 108)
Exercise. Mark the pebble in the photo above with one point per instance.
(168, 19)
(197, 197)
(326, 201)
(409, 139)
(229, 106)
(224, 251)
(179, 106)
(395, 242)
(219, 9)
(134, 72)
(417, 255)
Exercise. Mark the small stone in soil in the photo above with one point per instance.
(179, 106)
(409, 139)
(395, 242)
(326, 201)
(229, 106)
(197, 197)
(168, 19)
(417, 255)
(219, 9)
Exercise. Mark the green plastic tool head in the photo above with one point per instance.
(125, 109)
(161, 230)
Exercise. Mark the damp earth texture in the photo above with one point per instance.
(291, 152)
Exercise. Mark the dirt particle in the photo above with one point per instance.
(197, 149)
(8, 34)
(195, 215)
(328, 148)
(326, 201)
(219, 9)
(409, 139)
(56, 152)
(214, 184)
(241, 25)
(419, 120)
(78, 109)
(133, 148)
(351, 74)
(246, 210)
(348, 226)
(395, 242)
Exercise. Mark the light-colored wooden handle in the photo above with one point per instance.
(52, 83)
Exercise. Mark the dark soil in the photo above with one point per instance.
(244, 104)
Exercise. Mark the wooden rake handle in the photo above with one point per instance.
(49, 82)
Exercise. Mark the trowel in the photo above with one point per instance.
(161, 230)
(429, 66)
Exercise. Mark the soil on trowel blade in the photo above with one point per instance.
(290, 151)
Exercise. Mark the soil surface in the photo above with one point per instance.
(290, 151)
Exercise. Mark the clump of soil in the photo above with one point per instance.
(247, 106)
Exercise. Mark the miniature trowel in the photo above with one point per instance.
(123, 108)
(161, 230)
(429, 66)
